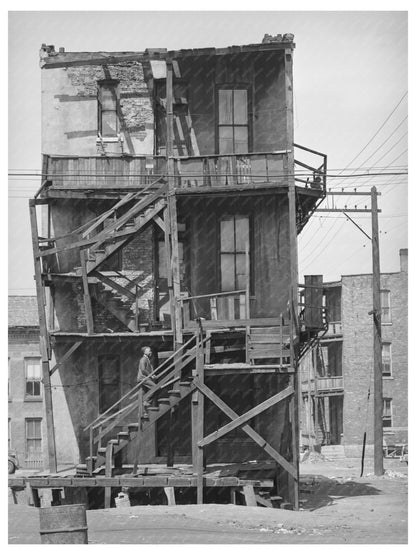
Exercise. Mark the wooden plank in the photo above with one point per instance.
(212, 324)
(247, 429)
(65, 357)
(87, 298)
(170, 495)
(250, 496)
(155, 481)
(200, 423)
(179, 481)
(240, 420)
(44, 340)
(109, 452)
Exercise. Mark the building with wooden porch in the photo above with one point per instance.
(172, 196)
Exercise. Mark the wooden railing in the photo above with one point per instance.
(229, 305)
(330, 383)
(334, 328)
(321, 384)
(204, 171)
(230, 170)
(120, 414)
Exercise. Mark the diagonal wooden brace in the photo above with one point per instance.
(248, 429)
(240, 420)
(65, 357)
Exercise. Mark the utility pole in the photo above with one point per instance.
(376, 313)
(377, 346)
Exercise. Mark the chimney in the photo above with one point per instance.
(403, 260)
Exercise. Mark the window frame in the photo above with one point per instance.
(114, 84)
(28, 396)
(249, 125)
(385, 319)
(34, 438)
(390, 373)
(235, 253)
(387, 415)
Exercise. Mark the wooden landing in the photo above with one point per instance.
(155, 481)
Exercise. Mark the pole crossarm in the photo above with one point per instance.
(65, 357)
(247, 429)
(237, 422)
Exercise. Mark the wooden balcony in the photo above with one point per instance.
(125, 172)
(327, 384)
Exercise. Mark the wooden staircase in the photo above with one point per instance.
(127, 418)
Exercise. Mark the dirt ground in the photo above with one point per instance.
(338, 507)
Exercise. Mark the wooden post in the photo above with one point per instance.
(377, 344)
(140, 410)
(87, 298)
(44, 340)
(108, 473)
(199, 434)
(173, 217)
(293, 293)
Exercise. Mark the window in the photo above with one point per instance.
(33, 451)
(108, 125)
(385, 306)
(234, 237)
(386, 359)
(33, 378)
(233, 128)
(387, 412)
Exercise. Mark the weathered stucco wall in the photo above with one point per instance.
(70, 109)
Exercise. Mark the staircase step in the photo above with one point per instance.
(123, 435)
(133, 427)
(114, 441)
(164, 401)
(101, 450)
(153, 409)
(174, 393)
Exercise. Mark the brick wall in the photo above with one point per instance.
(358, 359)
(23, 343)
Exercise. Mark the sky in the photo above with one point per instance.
(350, 96)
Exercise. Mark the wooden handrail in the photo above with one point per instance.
(222, 294)
(139, 384)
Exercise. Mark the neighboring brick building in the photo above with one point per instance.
(337, 374)
(25, 391)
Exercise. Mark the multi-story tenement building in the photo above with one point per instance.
(171, 214)
(337, 375)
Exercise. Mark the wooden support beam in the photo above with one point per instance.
(109, 451)
(240, 420)
(199, 451)
(247, 429)
(65, 357)
(293, 261)
(250, 496)
(159, 222)
(87, 297)
(170, 495)
(44, 340)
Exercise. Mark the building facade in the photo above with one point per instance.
(337, 375)
(26, 419)
(171, 212)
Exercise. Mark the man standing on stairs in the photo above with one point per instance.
(145, 368)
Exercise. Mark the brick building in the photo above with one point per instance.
(337, 375)
(26, 424)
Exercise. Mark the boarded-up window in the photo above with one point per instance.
(386, 358)
(108, 124)
(233, 123)
(234, 239)
(33, 378)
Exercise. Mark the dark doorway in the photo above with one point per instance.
(109, 381)
(336, 404)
